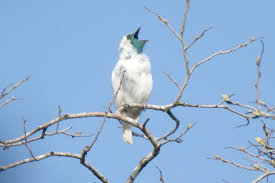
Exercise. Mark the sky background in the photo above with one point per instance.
(69, 49)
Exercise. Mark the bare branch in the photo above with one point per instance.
(197, 38)
(173, 80)
(139, 135)
(172, 116)
(165, 22)
(241, 149)
(4, 92)
(160, 177)
(42, 135)
(26, 141)
(145, 122)
(63, 117)
(59, 114)
(258, 63)
(179, 138)
(60, 154)
(182, 38)
(64, 132)
(185, 17)
(88, 148)
(144, 161)
(207, 59)
(95, 172)
(163, 108)
(37, 158)
(7, 101)
(266, 174)
(235, 164)
(224, 52)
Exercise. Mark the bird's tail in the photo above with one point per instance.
(127, 133)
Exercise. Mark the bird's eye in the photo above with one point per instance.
(128, 37)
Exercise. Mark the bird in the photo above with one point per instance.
(131, 80)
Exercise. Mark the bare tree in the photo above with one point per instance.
(260, 110)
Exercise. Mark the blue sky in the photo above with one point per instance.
(69, 49)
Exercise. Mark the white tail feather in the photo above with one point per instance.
(127, 134)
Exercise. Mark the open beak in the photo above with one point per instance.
(136, 33)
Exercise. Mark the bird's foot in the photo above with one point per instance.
(125, 107)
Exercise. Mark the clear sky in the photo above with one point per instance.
(69, 49)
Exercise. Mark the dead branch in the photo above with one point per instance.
(258, 63)
(236, 164)
(172, 79)
(26, 141)
(187, 78)
(6, 92)
(197, 38)
(165, 22)
(7, 101)
(266, 174)
(163, 108)
(52, 154)
(160, 177)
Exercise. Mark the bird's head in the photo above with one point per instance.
(137, 44)
(131, 40)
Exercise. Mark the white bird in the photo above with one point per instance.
(133, 71)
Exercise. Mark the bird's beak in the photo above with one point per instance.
(145, 41)
(136, 33)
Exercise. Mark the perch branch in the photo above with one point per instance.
(52, 154)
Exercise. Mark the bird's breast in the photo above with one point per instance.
(138, 84)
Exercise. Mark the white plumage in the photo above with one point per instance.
(137, 82)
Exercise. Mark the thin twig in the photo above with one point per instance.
(233, 163)
(172, 116)
(165, 22)
(59, 114)
(197, 38)
(43, 134)
(179, 138)
(172, 79)
(88, 148)
(4, 92)
(182, 38)
(7, 101)
(187, 78)
(160, 177)
(266, 174)
(185, 18)
(26, 141)
(145, 122)
(139, 135)
(258, 63)
(248, 153)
